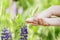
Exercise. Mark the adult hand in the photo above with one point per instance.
(45, 17)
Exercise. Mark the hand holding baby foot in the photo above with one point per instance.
(44, 18)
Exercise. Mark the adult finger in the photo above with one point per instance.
(51, 21)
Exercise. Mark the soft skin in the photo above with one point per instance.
(44, 17)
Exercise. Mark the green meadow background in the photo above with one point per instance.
(30, 7)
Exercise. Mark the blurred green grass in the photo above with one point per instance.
(30, 7)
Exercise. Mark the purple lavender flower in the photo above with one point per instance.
(6, 35)
(13, 10)
(20, 10)
(24, 30)
(24, 33)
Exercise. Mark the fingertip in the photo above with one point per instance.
(29, 20)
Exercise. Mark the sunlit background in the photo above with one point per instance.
(14, 13)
